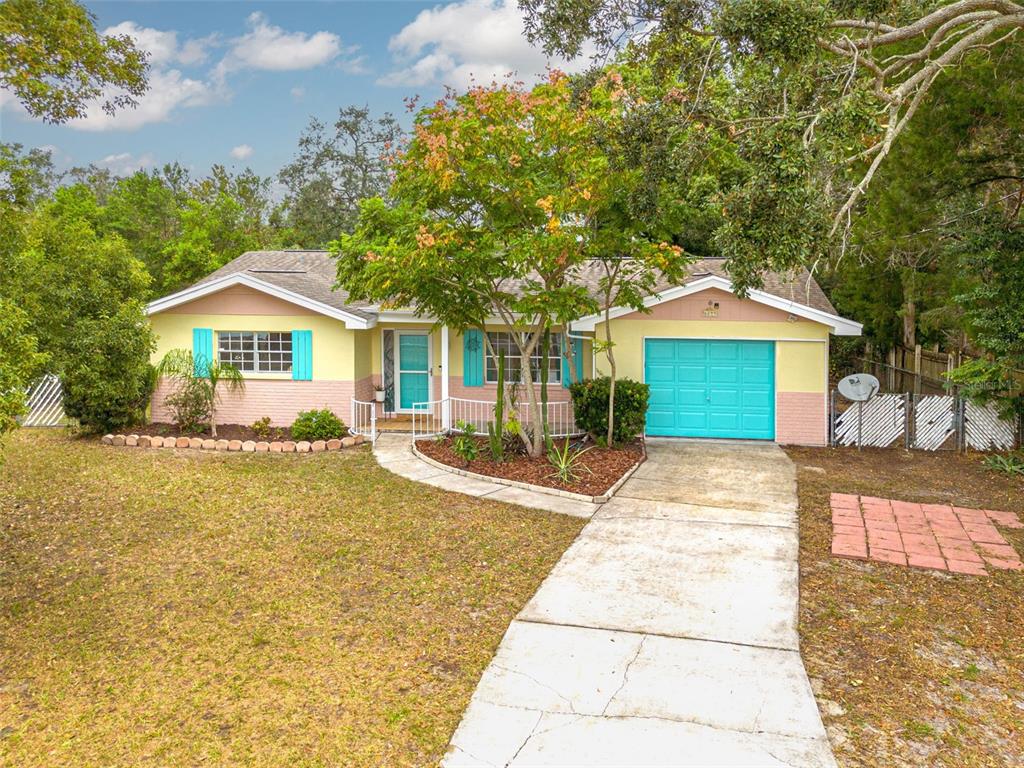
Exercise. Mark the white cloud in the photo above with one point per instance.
(263, 47)
(195, 51)
(9, 102)
(162, 45)
(269, 47)
(125, 163)
(479, 40)
(298, 93)
(168, 91)
(241, 152)
(355, 65)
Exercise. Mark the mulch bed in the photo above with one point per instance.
(598, 469)
(224, 432)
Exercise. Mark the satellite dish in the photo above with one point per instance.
(859, 387)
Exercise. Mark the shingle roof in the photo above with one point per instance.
(799, 287)
(309, 273)
(312, 274)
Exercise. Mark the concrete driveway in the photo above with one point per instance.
(666, 634)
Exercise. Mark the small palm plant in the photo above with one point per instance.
(565, 463)
(180, 365)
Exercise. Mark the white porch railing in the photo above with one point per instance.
(428, 419)
(438, 417)
(364, 419)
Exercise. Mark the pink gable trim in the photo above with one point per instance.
(729, 309)
(238, 300)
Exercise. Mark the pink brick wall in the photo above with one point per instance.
(280, 399)
(801, 418)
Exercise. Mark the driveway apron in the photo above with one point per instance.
(666, 634)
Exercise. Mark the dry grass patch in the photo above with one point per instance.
(184, 608)
(911, 667)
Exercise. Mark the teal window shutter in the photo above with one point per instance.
(472, 358)
(302, 355)
(569, 368)
(202, 350)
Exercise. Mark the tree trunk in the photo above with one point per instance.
(909, 323)
(909, 309)
(611, 375)
(535, 444)
(545, 353)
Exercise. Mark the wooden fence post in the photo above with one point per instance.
(892, 370)
(917, 369)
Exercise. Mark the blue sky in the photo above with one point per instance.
(236, 82)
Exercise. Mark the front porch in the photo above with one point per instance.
(421, 378)
(452, 414)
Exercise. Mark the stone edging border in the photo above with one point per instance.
(606, 496)
(247, 446)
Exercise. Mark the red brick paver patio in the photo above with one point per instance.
(935, 536)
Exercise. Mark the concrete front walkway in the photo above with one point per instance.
(394, 453)
(666, 634)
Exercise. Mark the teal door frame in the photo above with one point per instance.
(764, 414)
(402, 371)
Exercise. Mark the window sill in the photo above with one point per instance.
(270, 376)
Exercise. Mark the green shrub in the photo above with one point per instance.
(317, 425)
(262, 428)
(464, 444)
(21, 363)
(107, 378)
(190, 405)
(590, 406)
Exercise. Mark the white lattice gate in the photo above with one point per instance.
(985, 430)
(934, 421)
(45, 402)
(925, 422)
(878, 422)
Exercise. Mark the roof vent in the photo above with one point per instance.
(700, 274)
(278, 271)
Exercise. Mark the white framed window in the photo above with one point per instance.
(256, 351)
(502, 341)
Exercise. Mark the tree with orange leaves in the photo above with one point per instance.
(500, 199)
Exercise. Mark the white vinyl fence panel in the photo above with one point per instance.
(45, 404)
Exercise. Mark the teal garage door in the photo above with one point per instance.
(710, 388)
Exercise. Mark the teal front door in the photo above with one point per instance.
(413, 369)
(710, 388)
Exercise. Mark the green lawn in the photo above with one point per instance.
(185, 608)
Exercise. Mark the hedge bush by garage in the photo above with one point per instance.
(590, 406)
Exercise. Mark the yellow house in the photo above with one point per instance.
(717, 365)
